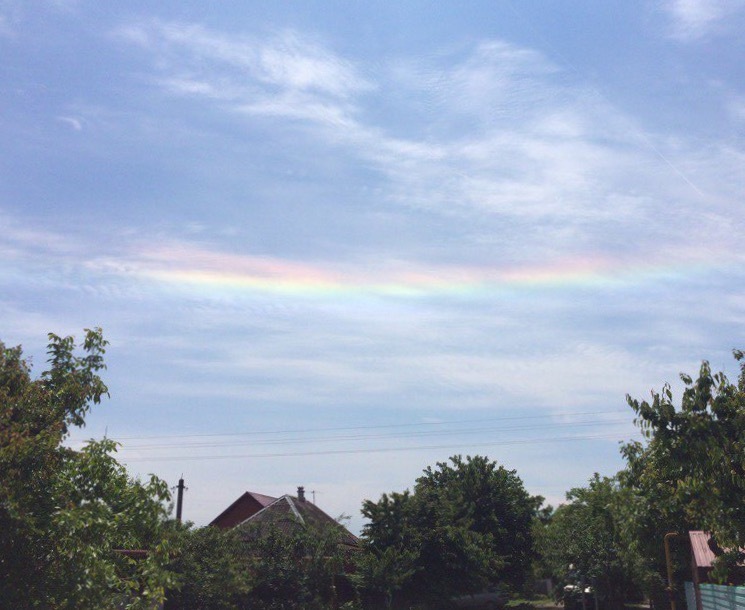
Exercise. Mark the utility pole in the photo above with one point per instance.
(180, 498)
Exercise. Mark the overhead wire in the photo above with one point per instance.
(369, 449)
(554, 414)
(385, 432)
(366, 437)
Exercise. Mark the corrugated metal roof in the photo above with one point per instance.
(703, 556)
(704, 549)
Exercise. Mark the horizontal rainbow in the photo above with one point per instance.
(199, 269)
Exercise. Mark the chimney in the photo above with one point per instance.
(301, 493)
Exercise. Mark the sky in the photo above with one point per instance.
(333, 243)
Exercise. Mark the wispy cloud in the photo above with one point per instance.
(280, 228)
(287, 61)
(74, 123)
(21, 241)
(197, 268)
(501, 133)
(697, 19)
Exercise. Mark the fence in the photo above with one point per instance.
(716, 597)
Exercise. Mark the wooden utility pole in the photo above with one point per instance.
(180, 498)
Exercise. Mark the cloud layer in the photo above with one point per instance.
(295, 223)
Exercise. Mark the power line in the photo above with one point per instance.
(371, 450)
(366, 427)
(359, 437)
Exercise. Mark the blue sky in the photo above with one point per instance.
(332, 243)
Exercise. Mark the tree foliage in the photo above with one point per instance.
(295, 570)
(692, 469)
(64, 513)
(466, 524)
(687, 475)
(381, 572)
(258, 569)
(212, 565)
(585, 542)
(651, 510)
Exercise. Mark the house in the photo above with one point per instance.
(255, 515)
(701, 594)
(244, 507)
(259, 512)
(704, 552)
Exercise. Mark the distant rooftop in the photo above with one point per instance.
(289, 513)
(246, 505)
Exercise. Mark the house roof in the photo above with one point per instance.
(289, 513)
(704, 549)
(703, 555)
(247, 504)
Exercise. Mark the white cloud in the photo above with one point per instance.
(504, 135)
(696, 19)
(20, 240)
(75, 124)
(287, 61)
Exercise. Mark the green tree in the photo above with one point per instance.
(267, 568)
(589, 534)
(101, 512)
(690, 474)
(63, 513)
(651, 510)
(213, 568)
(380, 573)
(466, 524)
(297, 569)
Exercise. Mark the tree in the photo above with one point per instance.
(466, 524)
(380, 573)
(695, 456)
(699, 449)
(588, 534)
(295, 569)
(261, 568)
(102, 511)
(64, 513)
(213, 567)
(651, 510)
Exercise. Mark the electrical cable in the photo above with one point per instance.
(369, 450)
(369, 427)
(362, 437)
